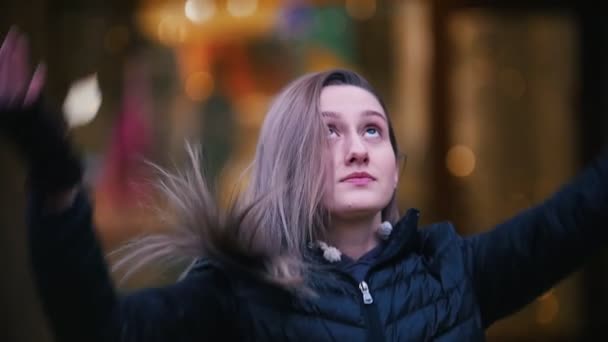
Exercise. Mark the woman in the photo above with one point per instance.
(315, 250)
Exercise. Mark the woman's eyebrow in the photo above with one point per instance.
(334, 115)
(373, 113)
(368, 112)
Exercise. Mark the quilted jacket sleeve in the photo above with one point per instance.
(525, 256)
(82, 304)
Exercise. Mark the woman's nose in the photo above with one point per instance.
(357, 152)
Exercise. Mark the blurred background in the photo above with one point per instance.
(497, 103)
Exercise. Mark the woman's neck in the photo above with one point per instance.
(354, 237)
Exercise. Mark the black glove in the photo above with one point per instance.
(42, 138)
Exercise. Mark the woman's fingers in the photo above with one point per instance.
(8, 42)
(6, 50)
(17, 87)
(34, 89)
(20, 71)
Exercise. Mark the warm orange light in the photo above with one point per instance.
(460, 161)
(171, 30)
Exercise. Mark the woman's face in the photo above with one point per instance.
(364, 175)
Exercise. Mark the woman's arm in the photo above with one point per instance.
(69, 269)
(80, 299)
(525, 256)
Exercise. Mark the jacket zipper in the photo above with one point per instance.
(371, 313)
(367, 297)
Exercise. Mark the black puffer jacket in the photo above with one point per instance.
(428, 283)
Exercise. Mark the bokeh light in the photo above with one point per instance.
(460, 161)
(199, 10)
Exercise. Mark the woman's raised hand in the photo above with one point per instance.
(40, 136)
(19, 87)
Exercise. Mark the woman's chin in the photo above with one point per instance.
(355, 211)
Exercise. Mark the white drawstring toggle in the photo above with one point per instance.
(385, 230)
(332, 254)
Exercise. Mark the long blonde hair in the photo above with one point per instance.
(266, 230)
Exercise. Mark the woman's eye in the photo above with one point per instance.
(331, 131)
(372, 131)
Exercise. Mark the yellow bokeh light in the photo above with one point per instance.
(171, 30)
(460, 161)
(199, 10)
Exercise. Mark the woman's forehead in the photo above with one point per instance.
(349, 100)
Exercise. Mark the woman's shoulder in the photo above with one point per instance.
(202, 267)
(441, 230)
(213, 273)
(440, 238)
(234, 282)
(204, 278)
